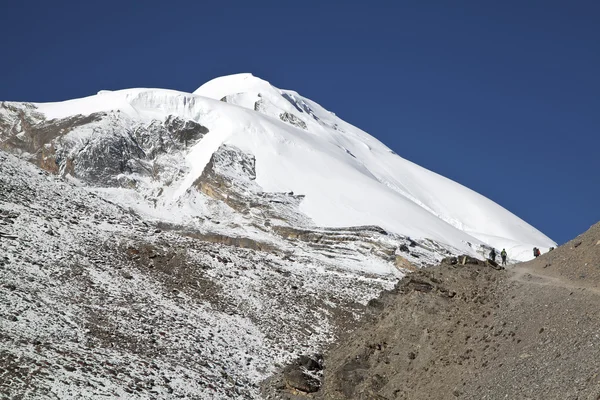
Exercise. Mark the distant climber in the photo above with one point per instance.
(503, 255)
(536, 252)
(493, 255)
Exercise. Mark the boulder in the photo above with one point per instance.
(301, 374)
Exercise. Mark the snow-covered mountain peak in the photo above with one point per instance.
(233, 84)
(249, 91)
(162, 140)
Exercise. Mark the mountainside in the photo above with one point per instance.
(157, 143)
(95, 301)
(160, 244)
(473, 332)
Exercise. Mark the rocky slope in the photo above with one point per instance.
(473, 332)
(96, 302)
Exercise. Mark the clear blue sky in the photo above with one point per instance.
(503, 96)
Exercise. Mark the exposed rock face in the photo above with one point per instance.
(24, 131)
(227, 176)
(102, 149)
(230, 177)
(403, 264)
(334, 242)
(239, 242)
(174, 134)
(293, 120)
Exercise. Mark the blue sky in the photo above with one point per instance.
(503, 97)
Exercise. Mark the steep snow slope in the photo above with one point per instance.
(348, 177)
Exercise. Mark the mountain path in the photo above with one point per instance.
(528, 275)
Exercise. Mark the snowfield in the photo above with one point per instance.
(347, 176)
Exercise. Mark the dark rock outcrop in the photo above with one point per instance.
(303, 375)
(293, 120)
(103, 149)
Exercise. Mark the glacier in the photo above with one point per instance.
(347, 177)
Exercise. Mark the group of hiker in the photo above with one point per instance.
(503, 254)
(536, 254)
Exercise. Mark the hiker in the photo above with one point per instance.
(493, 255)
(536, 252)
(503, 255)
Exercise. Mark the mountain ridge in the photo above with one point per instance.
(295, 141)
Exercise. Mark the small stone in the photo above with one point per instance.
(10, 287)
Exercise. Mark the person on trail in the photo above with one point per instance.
(493, 255)
(503, 255)
(536, 252)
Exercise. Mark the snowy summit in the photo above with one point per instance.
(347, 177)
